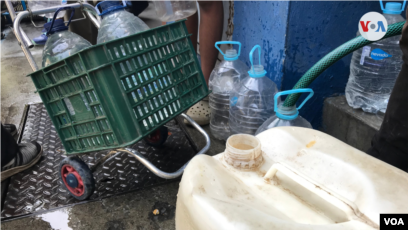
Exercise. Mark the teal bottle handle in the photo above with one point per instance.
(402, 8)
(251, 59)
(251, 53)
(290, 92)
(229, 42)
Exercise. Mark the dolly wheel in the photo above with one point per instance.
(157, 137)
(77, 178)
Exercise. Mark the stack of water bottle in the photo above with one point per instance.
(243, 99)
(116, 23)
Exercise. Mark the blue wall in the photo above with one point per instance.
(264, 24)
(315, 29)
(294, 36)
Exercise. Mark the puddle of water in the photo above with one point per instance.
(58, 219)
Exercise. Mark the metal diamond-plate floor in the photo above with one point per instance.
(39, 188)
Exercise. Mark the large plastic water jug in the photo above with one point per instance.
(168, 11)
(252, 100)
(39, 5)
(287, 116)
(61, 43)
(375, 68)
(117, 22)
(288, 178)
(222, 80)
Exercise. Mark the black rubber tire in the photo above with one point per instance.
(84, 172)
(162, 133)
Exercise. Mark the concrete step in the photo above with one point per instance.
(352, 126)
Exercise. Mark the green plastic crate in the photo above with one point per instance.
(112, 95)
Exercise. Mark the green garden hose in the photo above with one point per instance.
(334, 56)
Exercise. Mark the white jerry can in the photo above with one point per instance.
(289, 178)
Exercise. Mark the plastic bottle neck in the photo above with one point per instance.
(287, 113)
(231, 55)
(257, 71)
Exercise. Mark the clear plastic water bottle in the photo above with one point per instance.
(61, 43)
(287, 116)
(222, 80)
(252, 100)
(39, 5)
(375, 67)
(117, 22)
(168, 11)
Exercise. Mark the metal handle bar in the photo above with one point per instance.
(13, 15)
(180, 171)
(23, 14)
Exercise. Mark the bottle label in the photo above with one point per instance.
(365, 53)
(379, 54)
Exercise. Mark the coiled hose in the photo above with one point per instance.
(334, 56)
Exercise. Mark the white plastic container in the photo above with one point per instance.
(307, 180)
(168, 11)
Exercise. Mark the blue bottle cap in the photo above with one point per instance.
(393, 7)
(109, 6)
(231, 54)
(256, 71)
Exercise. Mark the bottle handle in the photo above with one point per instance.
(251, 71)
(338, 201)
(277, 95)
(251, 53)
(228, 42)
(402, 8)
(55, 16)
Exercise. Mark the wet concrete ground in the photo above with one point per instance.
(17, 89)
(129, 211)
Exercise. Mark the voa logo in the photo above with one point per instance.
(394, 221)
(373, 26)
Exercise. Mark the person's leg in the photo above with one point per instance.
(192, 27)
(390, 143)
(17, 157)
(9, 147)
(211, 25)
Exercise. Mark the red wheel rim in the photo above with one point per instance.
(65, 171)
(154, 137)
